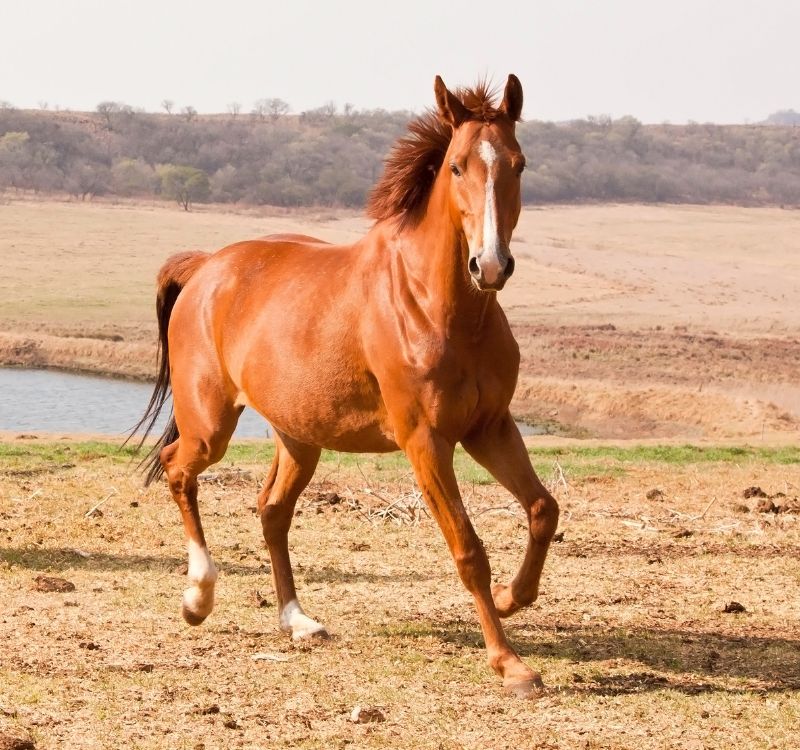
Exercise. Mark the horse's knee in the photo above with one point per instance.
(276, 518)
(544, 514)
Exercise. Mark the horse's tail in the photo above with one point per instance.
(172, 277)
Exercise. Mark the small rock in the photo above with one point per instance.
(704, 714)
(655, 494)
(89, 646)
(260, 600)
(95, 513)
(212, 709)
(740, 508)
(766, 506)
(27, 436)
(754, 492)
(359, 546)
(559, 537)
(53, 584)
(230, 723)
(367, 715)
(134, 503)
(733, 607)
(682, 534)
(182, 569)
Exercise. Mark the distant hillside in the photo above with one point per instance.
(328, 158)
(784, 117)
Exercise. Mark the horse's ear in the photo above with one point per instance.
(451, 110)
(512, 99)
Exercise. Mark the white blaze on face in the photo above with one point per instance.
(489, 259)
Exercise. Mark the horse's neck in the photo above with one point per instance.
(434, 266)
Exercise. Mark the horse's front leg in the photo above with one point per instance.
(501, 450)
(432, 459)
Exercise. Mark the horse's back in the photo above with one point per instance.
(291, 237)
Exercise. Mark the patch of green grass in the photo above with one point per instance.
(576, 462)
(675, 454)
(31, 455)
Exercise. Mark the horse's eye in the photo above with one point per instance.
(455, 170)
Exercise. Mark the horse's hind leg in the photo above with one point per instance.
(291, 471)
(198, 446)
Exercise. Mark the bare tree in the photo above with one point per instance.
(189, 113)
(276, 108)
(272, 108)
(259, 110)
(42, 104)
(234, 108)
(167, 105)
(108, 110)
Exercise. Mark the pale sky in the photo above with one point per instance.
(673, 60)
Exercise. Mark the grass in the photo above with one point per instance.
(678, 454)
(575, 461)
(628, 632)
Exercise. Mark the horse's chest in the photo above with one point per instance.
(449, 385)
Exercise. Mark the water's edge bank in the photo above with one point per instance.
(123, 360)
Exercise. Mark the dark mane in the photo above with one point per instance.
(412, 164)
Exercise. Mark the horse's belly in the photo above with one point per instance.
(345, 416)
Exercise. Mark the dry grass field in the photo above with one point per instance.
(670, 325)
(634, 321)
(629, 631)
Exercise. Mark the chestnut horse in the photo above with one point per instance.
(395, 342)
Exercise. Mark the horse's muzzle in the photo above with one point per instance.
(490, 271)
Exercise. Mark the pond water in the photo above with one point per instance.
(54, 401)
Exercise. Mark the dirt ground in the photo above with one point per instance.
(634, 321)
(629, 632)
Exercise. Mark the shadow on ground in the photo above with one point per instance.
(55, 559)
(696, 661)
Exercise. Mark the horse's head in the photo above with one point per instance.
(484, 163)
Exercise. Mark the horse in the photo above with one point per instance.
(395, 342)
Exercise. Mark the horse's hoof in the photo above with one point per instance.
(310, 635)
(192, 618)
(528, 689)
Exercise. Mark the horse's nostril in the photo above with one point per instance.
(474, 268)
(509, 267)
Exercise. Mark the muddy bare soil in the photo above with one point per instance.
(618, 382)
